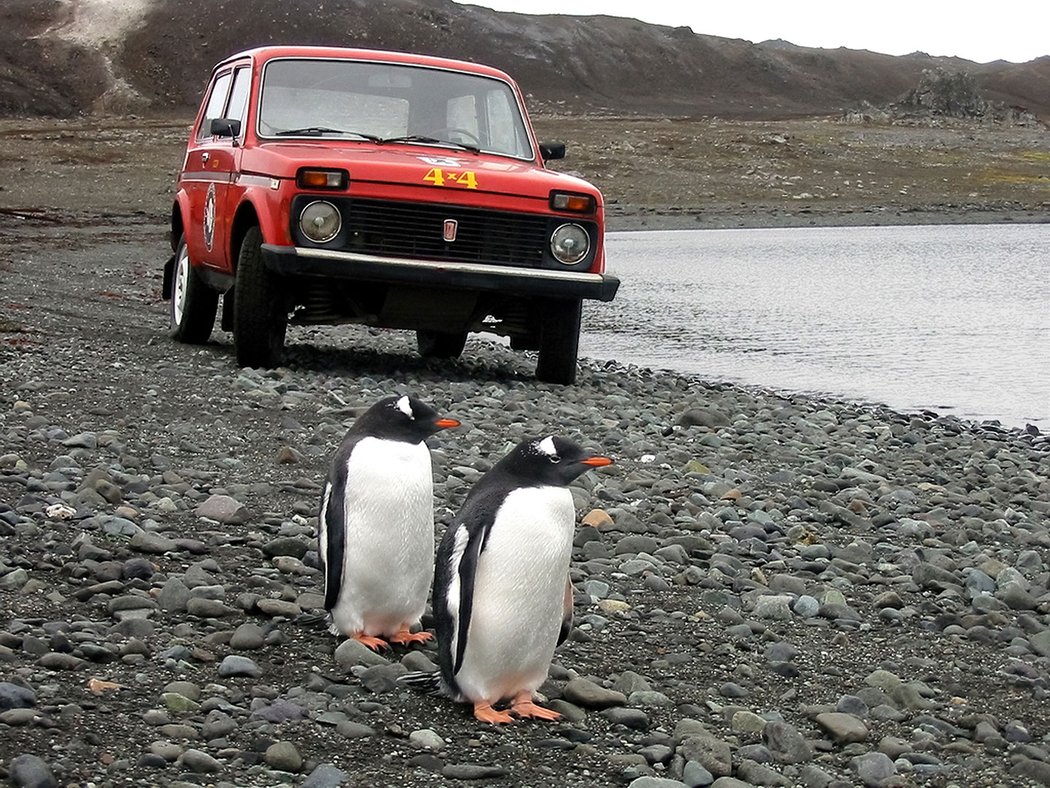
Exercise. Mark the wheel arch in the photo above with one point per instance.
(245, 218)
(178, 225)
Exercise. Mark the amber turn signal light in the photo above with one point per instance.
(322, 179)
(576, 203)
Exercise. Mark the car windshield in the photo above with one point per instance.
(391, 104)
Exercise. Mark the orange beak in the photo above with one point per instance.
(597, 462)
(446, 424)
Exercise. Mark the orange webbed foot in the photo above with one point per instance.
(373, 643)
(524, 707)
(485, 713)
(405, 636)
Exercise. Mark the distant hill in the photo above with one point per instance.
(68, 57)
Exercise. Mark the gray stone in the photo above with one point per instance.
(629, 681)
(628, 717)
(812, 776)
(31, 771)
(703, 417)
(773, 606)
(326, 775)
(353, 652)
(285, 545)
(655, 782)
(760, 774)
(709, 751)
(178, 703)
(745, 721)
(1040, 642)
(873, 768)
(426, 739)
(199, 762)
(589, 695)
(208, 608)
(649, 699)
(786, 743)
(280, 711)
(1031, 769)
(472, 771)
(696, 776)
(150, 542)
(174, 595)
(15, 696)
(224, 509)
(381, 678)
(283, 756)
(842, 728)
(354, 730)
(248, 637)
(235, 665)
(806, 606)
(278, 607)
(119, 526)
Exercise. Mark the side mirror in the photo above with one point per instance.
(225, 127)
(552, 150)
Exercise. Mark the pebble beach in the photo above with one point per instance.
(771, 589)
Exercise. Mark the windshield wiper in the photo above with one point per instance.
(425, 140)
(317, 131)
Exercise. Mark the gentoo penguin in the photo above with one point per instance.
(376, 527)
(502, 597)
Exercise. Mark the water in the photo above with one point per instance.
(950, 318)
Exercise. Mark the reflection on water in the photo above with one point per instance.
(953, 318)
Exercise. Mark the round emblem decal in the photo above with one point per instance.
(209, 217)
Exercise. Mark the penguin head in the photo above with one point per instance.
(402, 418)
(551, 460)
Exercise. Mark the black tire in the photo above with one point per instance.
(260, 317)
(440, 344)
(559, 341)
(191, 310)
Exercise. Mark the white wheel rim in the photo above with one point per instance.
(178, 295)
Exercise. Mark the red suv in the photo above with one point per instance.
(328, 185)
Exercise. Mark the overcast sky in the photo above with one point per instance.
(1014, 30)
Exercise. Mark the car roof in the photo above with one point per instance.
(262, 54)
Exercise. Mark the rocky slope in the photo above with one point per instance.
(62, 57)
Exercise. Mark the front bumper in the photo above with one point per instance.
(305, 261)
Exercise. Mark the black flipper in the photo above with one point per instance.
(334, 532)
(566, 619)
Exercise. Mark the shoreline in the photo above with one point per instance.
(622, 219)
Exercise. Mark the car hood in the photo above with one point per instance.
(414, 165)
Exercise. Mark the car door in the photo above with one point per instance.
(211, 164)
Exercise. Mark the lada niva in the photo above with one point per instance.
(328, 185)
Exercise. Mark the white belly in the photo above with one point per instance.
(388, 562)
(519, 592)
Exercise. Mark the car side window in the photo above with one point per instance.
(238, 104)
(216, 103)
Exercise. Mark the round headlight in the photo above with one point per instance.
(570, 244)
(320, 221)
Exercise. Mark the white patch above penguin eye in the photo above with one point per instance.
(546, 446)
(405, 406)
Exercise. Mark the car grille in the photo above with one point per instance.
(412, 230)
